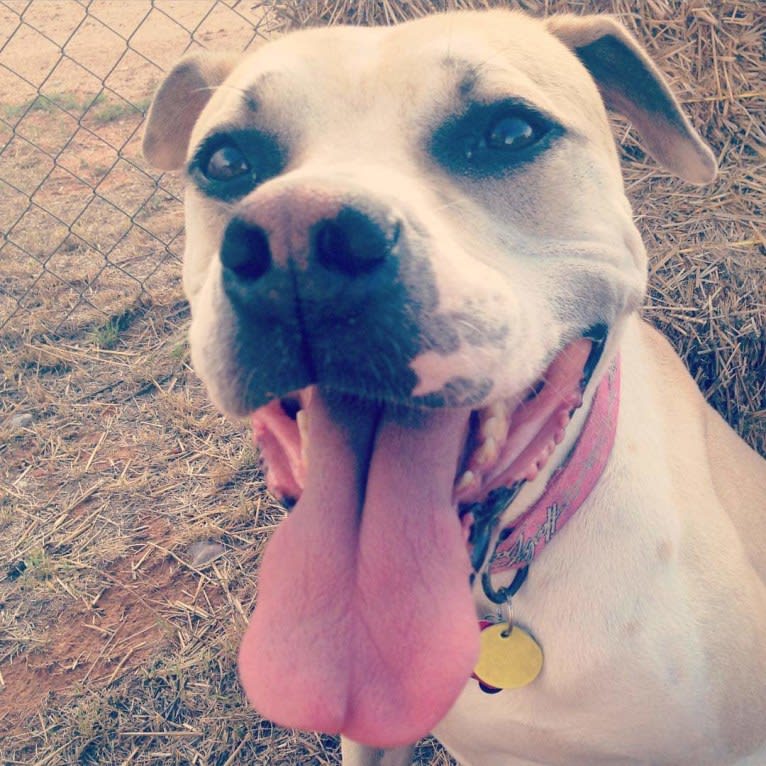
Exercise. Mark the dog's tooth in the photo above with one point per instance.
(465, 481)
(493, 428)
(466, 522)
(574, 401)
(495, 418)
(486, 454)
(531, 473)
(485, 419)
(302, 419)
(498, 410)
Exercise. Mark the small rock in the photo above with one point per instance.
(203, 552)
(15, 570)
(23, 420)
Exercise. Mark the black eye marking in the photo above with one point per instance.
(230, 164)
(493, 139)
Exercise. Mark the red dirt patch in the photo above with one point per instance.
(98, 642)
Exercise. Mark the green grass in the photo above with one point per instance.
(106, 111)
(180, 351)
(39, 565)
(47, 104)
(104, 108)
(107, 335)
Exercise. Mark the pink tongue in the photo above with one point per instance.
(364, 621)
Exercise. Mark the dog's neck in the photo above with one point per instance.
(568, 486)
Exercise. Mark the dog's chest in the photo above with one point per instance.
(615, 722)
(624, 679)
(636, 702)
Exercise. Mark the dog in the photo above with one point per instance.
(412, 266)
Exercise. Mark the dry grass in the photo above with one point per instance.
(133, 516)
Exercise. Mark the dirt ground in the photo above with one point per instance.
(132, 515)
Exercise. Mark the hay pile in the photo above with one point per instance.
(706, 246)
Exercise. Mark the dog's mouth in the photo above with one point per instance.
(504, 442)
(365, 623)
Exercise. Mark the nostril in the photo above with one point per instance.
(353, 243)
(245, 250)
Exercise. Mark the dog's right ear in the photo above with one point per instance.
(631, 84)
(178, 103)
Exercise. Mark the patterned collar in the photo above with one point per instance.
(569, 485)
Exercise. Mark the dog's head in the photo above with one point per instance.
(398, 242)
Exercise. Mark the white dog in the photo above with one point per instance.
(412, 264)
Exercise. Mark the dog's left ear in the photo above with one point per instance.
(178, 103)
(633, 86)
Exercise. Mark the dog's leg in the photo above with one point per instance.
(354, 754)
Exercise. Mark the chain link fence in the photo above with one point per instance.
(88, 227)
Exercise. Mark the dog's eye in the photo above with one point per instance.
(494, 139)
(229, 163)
(512, 133)
(226, 163)
(505, 135)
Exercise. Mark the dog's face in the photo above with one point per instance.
(475, 157)
(473, 149)
(402, 235)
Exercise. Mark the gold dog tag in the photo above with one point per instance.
(508, 660)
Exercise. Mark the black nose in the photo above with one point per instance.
(352, 243)
(245, 250)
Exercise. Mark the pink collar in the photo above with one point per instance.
(569, 485)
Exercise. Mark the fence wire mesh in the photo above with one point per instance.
(88, 227)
